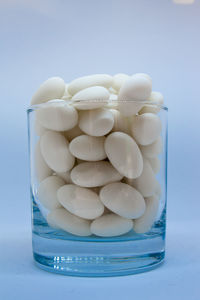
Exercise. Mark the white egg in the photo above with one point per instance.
(146, 183)
(137, 88)
(123, 200)
(121, 123)
(61, 218)
(91, 98)
(93, 174)
(145, 222)
(55, 151)
(88, 148)
(153, 149)
(52, 88)
(96, 122)
(47, 192)
(58, 116)
(118, 80)
(42, 170)
(155, 164)
(110, 225)
(146, 128)
(88, 81)
(80, 201)
(124, 154)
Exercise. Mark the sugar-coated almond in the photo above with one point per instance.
(52, 88)
(55, 151)
(93, 174)
(123, 199)
(61, 218)
(110, 225)
(80, 201)
(124, 154)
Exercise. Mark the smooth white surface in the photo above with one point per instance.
(93, 174)
(177, 278)
(58, 116)
(88, 148)
(111, 225)
(55, 151)
(81, 202)
(84, 82)
(91, 98)
(124, 154)
(96, 122)
(123, 200)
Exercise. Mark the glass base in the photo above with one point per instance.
(61, 252)
(94, 259)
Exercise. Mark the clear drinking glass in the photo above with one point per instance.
(59, 251)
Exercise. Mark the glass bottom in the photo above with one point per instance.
(92, 259)
(61, 252)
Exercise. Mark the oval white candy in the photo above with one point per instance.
(118, 80)
(145, 222)
(110, 225)
(58, 116)
(42, 170)
(72, 133)
(146, 128)
(124, 154)
(52, 88)
(47, 192)
(155, 164)
(146, 183)
(54, 148)
(88, 148)
(65, 176)
(93, 174)
(123, 200)
(137, 88)
(91, 98)
(80, 201)
(153, 149)
(155, 97)
(96, 122)
(121, 123)
(87, 81)
(61, 218)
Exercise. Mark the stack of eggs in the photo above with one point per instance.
(97, 156)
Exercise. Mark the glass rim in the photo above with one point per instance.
(52, 102)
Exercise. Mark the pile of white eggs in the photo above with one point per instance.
(96, 159)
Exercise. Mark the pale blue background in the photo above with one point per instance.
(44, 38)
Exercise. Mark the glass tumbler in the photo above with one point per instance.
(98, 186)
